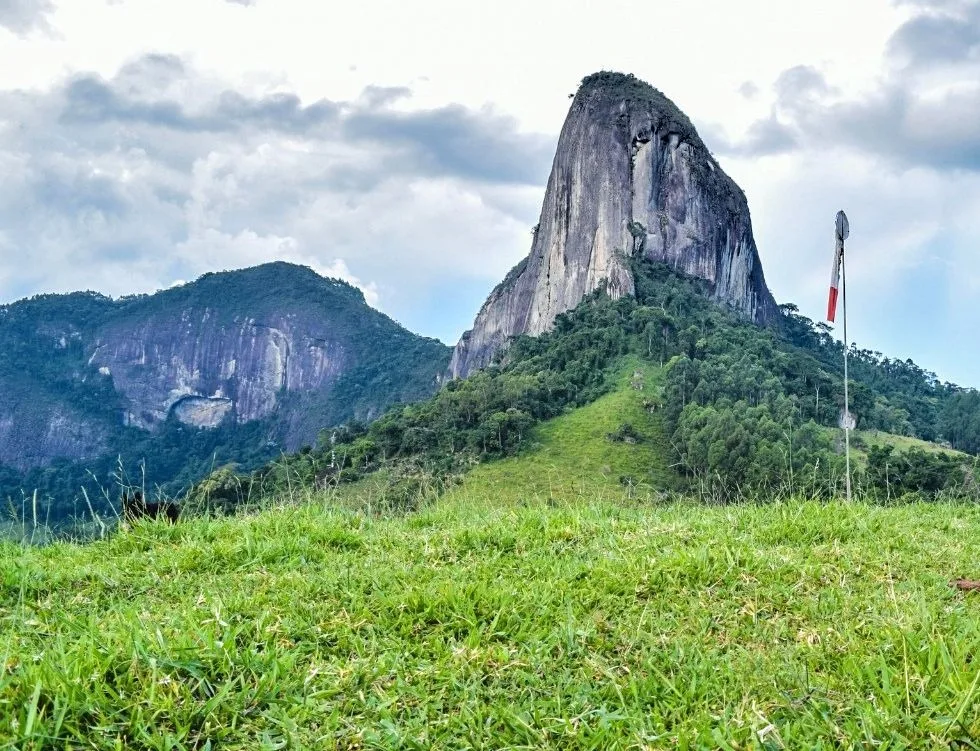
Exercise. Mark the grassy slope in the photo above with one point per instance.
(901, 443)
(862, 440)
(543, 625)
(535, 607)
(568, 458)
(571, 457)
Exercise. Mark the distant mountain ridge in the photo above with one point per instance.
(276, 344)
(631, 179)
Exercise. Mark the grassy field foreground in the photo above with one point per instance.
(479, 625)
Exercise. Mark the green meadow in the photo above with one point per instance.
(546, 624)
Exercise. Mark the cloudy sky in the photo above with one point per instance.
(404, 146)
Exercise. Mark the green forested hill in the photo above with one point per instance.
(743, 410)
(91, 388)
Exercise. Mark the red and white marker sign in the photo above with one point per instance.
(843, 230)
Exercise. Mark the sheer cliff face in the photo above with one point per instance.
(631, 177)
(221, 370)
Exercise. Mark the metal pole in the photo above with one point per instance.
(847, 407)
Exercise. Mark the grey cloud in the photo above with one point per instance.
(153, 72)
(941, 33)
(933, 4)
(89, 99)
(380, 96)
(275, 112)
(765, 137)
(895, 123)
(900, 122)
(800, 83)
(449, 140)
(907, 129)
(24, 16)
(459, 141)
(911, 120)
(79, 191)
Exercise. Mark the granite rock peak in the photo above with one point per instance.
(631, 178)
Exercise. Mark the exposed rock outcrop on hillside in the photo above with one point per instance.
(197, 366)
(631, 176)
(276, 342)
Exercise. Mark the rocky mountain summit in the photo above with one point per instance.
(274, 343)
(631, 177)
